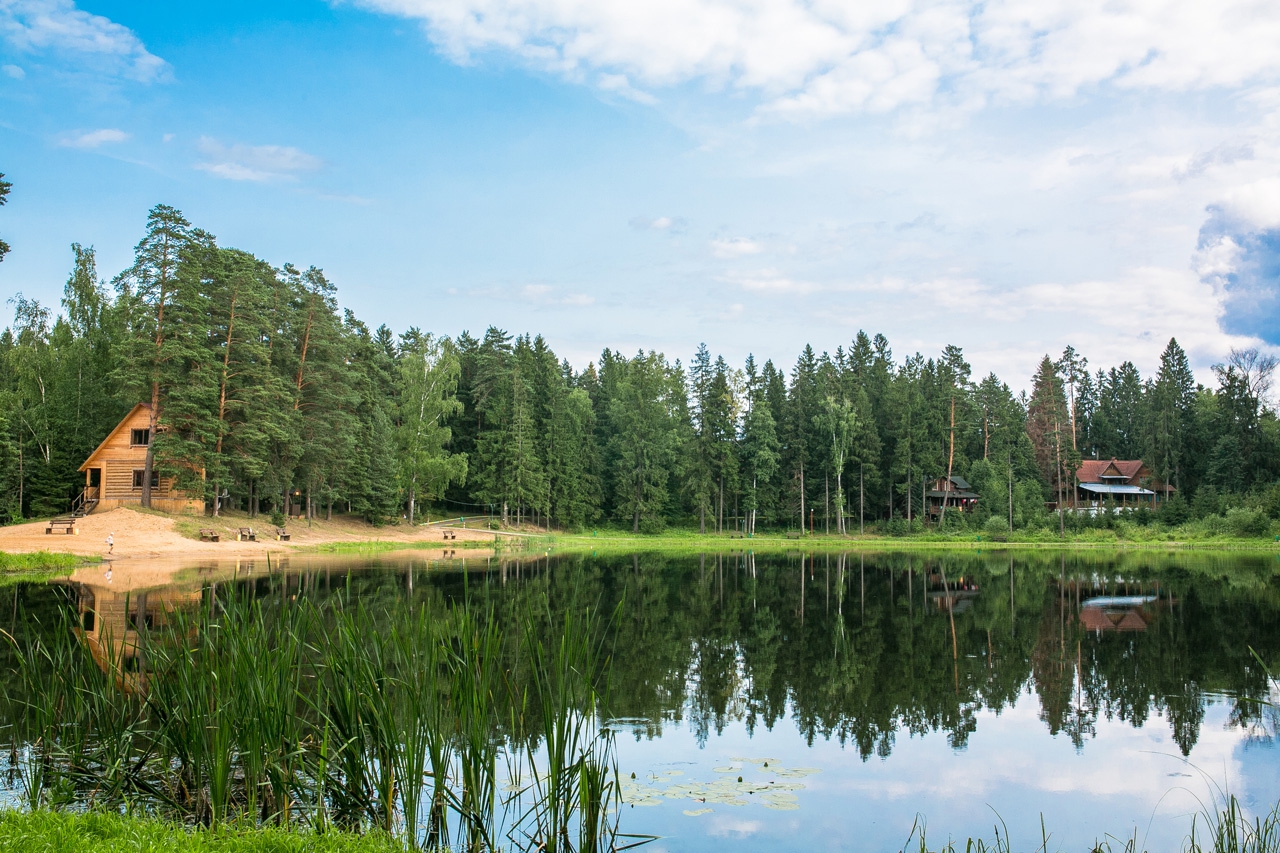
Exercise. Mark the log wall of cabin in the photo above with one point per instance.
(118, 458)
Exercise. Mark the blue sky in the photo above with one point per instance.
(756, 174)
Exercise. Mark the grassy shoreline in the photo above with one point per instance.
(42, 561)
(103, 832)
(613, 541)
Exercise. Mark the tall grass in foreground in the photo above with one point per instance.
(1225, 828)
(291, 714)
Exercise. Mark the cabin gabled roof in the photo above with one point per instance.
(1095, 470)
(124, 422)
(957, 483)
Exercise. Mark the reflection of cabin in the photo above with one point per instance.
(111, 622)
(953, 597)
(1124, 614)
(113, 473)
(953, 493)
(1123, 482)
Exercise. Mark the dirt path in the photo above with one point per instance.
(140, 535)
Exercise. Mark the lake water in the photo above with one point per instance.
(855, 696)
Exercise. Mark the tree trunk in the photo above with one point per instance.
(908, 498)
(840, 503)
(951, 457)
(1057, 444)
(1011, 494)
(153, 421)
(802, 497)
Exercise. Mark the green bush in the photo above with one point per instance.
(1248, 522)
(1211, 525)
(995, 526)
(277, 517)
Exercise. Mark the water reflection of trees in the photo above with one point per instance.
(862, 651)
(865, 650)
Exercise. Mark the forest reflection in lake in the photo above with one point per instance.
(824, 700)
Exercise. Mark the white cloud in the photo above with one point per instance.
(772, 281)
(670, 224)
(57, 26)
(819, 57)
(13, 71)
(239, 162)
(545, 294)
(735, 247)
(618, 84)
(95, 138)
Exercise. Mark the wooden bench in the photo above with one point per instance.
(794, 534)
(450, 534)
(246, 534)
(208, 534)
(282, 535)
(68, 526)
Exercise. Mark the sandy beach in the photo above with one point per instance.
(143, 535)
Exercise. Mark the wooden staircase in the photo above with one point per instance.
(84, 503)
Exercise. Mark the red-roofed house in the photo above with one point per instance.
(1126, 482)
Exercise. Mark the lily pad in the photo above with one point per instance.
(696, 812)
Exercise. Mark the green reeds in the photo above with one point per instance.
(282, 712)
(572, 766)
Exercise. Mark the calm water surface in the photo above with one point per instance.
(855, 695)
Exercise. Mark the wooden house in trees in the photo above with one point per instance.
(1122, 482)
(952, 492)
(114, 472)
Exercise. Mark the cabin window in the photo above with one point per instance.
(139, 473)
(139, 437)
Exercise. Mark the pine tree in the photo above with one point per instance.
(147, 290)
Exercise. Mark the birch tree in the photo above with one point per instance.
(429, 371)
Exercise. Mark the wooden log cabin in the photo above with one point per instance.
(113, 473)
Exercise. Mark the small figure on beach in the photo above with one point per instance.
(111, 542)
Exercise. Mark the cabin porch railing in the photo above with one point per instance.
(85, 501)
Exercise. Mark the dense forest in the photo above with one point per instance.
(287, 403)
